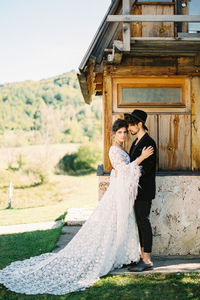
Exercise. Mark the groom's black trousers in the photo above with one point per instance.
(142, 212)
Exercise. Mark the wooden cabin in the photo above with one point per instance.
(143, 56)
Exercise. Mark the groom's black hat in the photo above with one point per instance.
(140, 115)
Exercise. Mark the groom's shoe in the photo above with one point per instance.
(132, 264)
(141, 266)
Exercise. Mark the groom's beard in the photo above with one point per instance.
(134, 132)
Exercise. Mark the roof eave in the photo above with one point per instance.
(101, 28)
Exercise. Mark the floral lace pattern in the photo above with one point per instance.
(106, 241)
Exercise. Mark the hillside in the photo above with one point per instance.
(47, 111)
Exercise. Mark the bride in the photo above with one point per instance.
(106, 241)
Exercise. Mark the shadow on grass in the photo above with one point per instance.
(19, 246)
(128, 287)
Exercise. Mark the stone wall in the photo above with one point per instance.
(175, 214)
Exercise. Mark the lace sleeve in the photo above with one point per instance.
(127, 173)
(118, 159)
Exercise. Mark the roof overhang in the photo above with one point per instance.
(106, 42)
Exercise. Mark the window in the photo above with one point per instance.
(151, 95)
(157, 92)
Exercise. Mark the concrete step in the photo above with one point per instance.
(167, 264)
(78, 216)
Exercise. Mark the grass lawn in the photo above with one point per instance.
(23, 245)
(123, 287)
(48, 201)
(128, 287)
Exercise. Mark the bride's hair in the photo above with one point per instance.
(119, 123)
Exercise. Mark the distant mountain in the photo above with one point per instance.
(50, 110)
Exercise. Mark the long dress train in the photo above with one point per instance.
(106, 241)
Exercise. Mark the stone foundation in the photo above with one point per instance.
(175, 214)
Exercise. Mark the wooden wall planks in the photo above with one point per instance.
(107, 119)
(195, 100)
(174, 142)
(176, 132)
(157, 29)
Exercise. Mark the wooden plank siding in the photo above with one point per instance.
(157, 29)
(90, 80)
(195, 102)
(176, 133)
(152, 125)
(107, 119)
(169, 127)
(136, 27)
(166, 65)
(174, 142)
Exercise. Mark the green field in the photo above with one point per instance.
(46, 201)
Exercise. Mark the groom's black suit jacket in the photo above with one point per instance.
(147, 186)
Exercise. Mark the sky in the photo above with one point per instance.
(44, 38)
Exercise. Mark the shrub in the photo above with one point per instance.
(83, 162)
(66, 163)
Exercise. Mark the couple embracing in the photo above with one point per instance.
(117, 233)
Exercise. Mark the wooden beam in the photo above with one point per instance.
(99, 87)
(126, 7)
(151, 38)
(126, 26)
(107, 119)
(98, 78)
(84, 87)
(153, 18)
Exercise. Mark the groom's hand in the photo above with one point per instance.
(146, 152)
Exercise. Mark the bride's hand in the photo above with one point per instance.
(146, 152)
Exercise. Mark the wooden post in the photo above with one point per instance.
(195, 101)
(126, 26)
(107, 115)
(10, 195)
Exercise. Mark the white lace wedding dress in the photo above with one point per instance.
(106, 241)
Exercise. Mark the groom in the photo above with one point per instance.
(146, 190)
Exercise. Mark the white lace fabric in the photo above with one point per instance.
(106, 241)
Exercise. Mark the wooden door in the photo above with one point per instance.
(174, 142)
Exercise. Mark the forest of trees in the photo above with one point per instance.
(47, 111)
